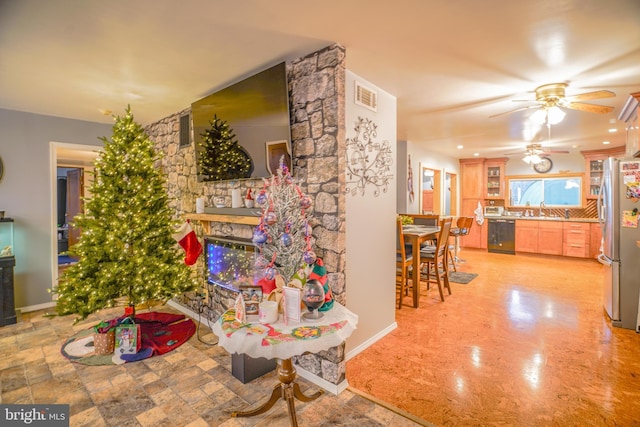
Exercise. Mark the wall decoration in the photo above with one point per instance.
(410, 181)
(368, 161)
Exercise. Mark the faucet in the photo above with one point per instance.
(542, 206)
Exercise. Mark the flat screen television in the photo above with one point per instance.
(257, 111)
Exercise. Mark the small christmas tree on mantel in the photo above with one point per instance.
(126, 250)
(221, 157)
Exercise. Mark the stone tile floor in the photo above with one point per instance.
(190, 386)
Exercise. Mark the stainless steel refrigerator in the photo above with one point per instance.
(618, 213)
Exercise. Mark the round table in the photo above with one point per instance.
(282, 342)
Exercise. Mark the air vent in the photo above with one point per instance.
(366, 97)
(184, 130)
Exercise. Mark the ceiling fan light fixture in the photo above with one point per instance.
(539, 117)
(548, 115)
(532, 159)
(555, 115)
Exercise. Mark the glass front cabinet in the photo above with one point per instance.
(7, 262)
(494, 178)
(594, 168)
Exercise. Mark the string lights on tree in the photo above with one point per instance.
(126, 250)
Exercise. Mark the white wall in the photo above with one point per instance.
(370, 230)
(421, 157)
(26, 195)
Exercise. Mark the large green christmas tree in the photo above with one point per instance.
(126, 252)
(221, 157)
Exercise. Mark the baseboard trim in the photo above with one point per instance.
(36, 307)
(320, 382)
(368, 343)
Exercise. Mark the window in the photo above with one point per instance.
(562, 191)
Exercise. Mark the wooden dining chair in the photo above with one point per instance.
(403, 262)
(463, 225)
(434, 261)
(425, 219)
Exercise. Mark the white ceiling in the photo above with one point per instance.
(450, 63)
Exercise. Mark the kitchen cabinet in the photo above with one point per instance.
(471, 192)
(494, 178)
(576, 239)
(549, 241)
(595, 240)
(594, 168)
(527, 236)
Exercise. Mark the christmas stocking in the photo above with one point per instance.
(189, 242)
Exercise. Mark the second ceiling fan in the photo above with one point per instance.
(553, 95)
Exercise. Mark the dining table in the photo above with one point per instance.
(416, 235)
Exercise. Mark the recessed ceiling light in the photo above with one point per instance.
(613, 130)
(476, 154)
(460, 147)
(606, 142)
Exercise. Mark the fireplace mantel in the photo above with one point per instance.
(207, 218)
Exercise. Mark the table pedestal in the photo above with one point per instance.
(287, 389)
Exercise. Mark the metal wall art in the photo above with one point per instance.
(368, 161)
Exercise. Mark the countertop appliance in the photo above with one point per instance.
(618, 216)
(493, 210)
(502, 236)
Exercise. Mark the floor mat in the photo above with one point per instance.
(461, 277)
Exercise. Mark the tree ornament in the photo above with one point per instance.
(259, 236)
(305, 202)
(270, 218)
(309, 257)
(261, 198)
(270, 273)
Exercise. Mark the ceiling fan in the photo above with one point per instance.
(535, 154)
(550, 97)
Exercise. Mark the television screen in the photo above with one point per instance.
(257, 112)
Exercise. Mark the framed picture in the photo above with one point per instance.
(277, 150)
(252, 296)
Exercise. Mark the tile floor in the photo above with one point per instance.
(190, 386)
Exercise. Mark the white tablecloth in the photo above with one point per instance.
(283, 342)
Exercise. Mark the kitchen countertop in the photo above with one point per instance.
(542, 218)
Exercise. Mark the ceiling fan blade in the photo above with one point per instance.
(599, 94)
(590, 108)
(513, 111)
(556, 152)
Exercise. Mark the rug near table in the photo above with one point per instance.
(160, 333)
(461, 277)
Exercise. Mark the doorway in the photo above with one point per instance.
(72, 162)
(430, 191)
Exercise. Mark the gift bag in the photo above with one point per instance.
(128, 339)
(103, 343)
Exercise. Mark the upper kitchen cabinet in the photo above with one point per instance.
(494, 178)
(594, 168)
(472, 178)
(629, 115)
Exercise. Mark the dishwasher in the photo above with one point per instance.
(502, 236)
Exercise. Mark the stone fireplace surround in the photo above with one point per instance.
(317, 115)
